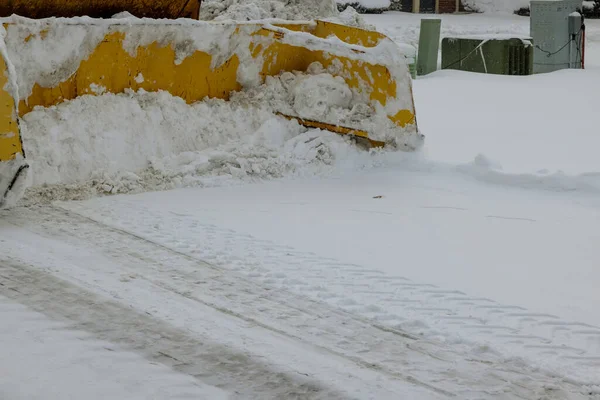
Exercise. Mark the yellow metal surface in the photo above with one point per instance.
(284, 57)
(334, 128)
(100, 8)
(114, 69)
(348, 34)
(10, 142)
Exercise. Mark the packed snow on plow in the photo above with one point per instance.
(302, 75)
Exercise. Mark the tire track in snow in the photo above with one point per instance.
(81, 311)
(473, 324)
(34, 348)
(368, 381)
(366, 343)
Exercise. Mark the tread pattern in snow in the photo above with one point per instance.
(73, 358)
(567, 348)
(81, 311)
(372, 343)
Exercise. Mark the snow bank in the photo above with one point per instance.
(366, 5)
(251, 10)
(495, 6)
(290, 10)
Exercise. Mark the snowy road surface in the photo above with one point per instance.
(468, 271)
(289, 329)
(49, 355)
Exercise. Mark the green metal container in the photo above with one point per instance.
(493, 55)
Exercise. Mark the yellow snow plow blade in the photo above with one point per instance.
(10, 143)
(46, 62)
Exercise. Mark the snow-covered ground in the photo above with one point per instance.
(467, 270)
(45, 359)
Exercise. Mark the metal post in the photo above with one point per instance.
(429, 45)
(575, 37)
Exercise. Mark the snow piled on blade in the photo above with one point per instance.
(49, 52)
(323, 95)
(140, 141)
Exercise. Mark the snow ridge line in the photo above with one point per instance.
(333, 330)
(561, 348)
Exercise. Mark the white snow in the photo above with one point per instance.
(479, 252)
(288, 10)
(213, 326)
(531, 125)
(368, 4)
(248, 10)
(40, 357)
(495, 6)
(48, 52)
(92, 144)
(496, 255)
(12, 84)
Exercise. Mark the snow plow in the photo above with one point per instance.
(44, 62)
